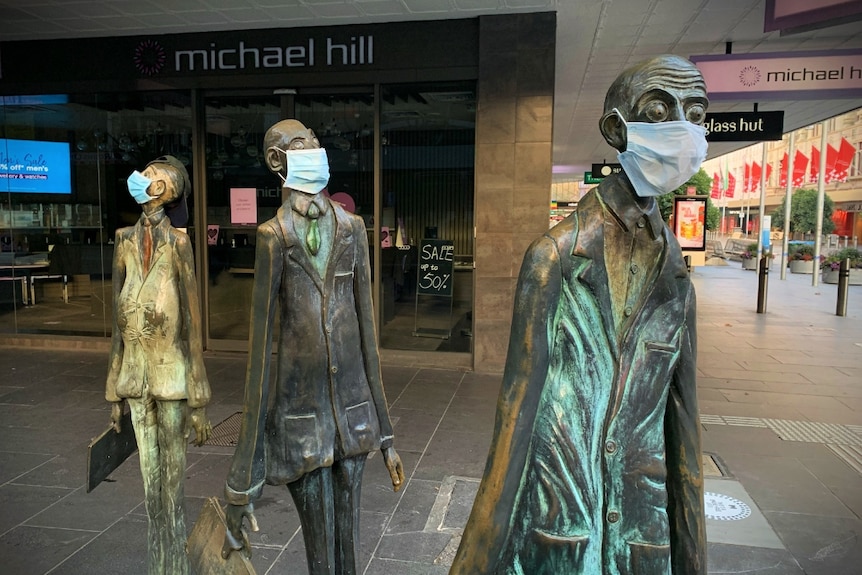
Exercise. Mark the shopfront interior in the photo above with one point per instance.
(401, 156)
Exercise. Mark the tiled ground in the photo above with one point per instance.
(780, 394)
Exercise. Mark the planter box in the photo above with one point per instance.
(831, 277)
(801, 267)
(749, 264)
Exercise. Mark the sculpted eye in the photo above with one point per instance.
(695, 114)
(656, 111)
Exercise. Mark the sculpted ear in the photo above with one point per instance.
(614, 130)
(275, 160)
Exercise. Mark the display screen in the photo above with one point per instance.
(689, 218)
(35, 167)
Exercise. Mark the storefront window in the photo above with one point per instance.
(237, 176)
(63, 195)
(428, 149)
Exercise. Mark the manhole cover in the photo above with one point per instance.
(724, 508)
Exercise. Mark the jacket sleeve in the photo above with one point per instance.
(684, 464)
(536, 300)
(115, 360)
(197, 385)
(248, 468)
(367, 331)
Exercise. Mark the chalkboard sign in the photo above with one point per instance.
(436, 260)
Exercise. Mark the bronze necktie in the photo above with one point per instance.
(312, 237)
(148, 244)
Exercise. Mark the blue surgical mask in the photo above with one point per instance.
(307, 170)
(662, 156)
(138, 184)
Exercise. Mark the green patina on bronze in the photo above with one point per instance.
(594, 466)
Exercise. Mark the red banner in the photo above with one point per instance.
(800, 168)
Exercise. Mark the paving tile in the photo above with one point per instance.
(380, 566)
(843, 481)
(31, 550)
(454, 453)
(20, 502)
(823, 545)
(742, 525)
(15, 464)
(723, 558)
(94, 511)
(121, 549)
(420, 546)
(784, 484)
(414, 507)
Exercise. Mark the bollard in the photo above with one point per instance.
(687, 263)
(843, 283)
(762, 284)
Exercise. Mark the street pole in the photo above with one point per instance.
(785, 245)
(760, 231)
(821, 192)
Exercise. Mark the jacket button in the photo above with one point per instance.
(613, 516)
(634, 268)
(334, 369)
(611, 446)
(628, 311)
(328, 329)
(641, 223)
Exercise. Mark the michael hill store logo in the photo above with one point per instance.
(750, 76)
(151, 58)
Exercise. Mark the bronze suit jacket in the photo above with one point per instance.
(327, 400)
(156, 347)
(595, 462)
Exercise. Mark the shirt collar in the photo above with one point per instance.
(300, 202)
(629, 209)
(154, 219)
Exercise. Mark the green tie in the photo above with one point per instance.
(312, 237)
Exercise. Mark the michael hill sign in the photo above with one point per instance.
(818, 75)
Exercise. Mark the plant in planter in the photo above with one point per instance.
(801, 258)
(832, 263)
(749, 257)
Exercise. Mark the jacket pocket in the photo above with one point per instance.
(550, 554)
(649, 559)
(363, 431)
(293, 448)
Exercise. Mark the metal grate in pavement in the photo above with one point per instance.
(226, 433)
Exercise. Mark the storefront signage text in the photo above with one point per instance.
(744, 126)
(835, 74)
(358, 51)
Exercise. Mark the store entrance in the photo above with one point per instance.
(242, 192)
(425, 196)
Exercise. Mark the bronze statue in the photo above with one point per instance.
(156, 362)
(595, 465)
(328, 409)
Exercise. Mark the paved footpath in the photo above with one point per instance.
(780, 396)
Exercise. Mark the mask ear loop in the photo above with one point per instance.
(283, 178)
(620, 116)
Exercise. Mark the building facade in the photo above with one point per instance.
(436, 131)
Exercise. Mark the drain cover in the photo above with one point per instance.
(724, 508)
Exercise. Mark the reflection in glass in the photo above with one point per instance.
(428, 149)
(56, 238)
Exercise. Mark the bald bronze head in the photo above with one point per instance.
(662, 89)
(286, 135)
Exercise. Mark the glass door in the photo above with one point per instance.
(427, 159)
(237, 178)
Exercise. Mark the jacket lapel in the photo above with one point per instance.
(588, 261)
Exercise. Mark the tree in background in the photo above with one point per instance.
(703, 183)
(803, 213)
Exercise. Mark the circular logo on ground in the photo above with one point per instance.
(149, 57)
(724, 508)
